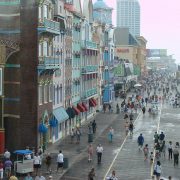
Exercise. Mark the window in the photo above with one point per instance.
(57, 92)
(50, 92)
(40, 49)
(45, 93)
(45, 11)
(60, 9)
(61, 93)
(45, 47)
(54, 95)
(40, 95)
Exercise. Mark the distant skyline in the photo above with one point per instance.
(160, 24)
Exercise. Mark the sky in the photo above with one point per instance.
(160, 24)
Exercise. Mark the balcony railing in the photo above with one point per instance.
(89, 44)
(47, 25)
(89, 68)
(9, 3)
(90, 92)
(48, 63)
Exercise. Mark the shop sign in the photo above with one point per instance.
(122, 50)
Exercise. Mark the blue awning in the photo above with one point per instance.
(60, 114)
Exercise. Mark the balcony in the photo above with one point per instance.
(10, 3)
(90, 92)
(89, 45)
(89, 69)
(49, 26)
(46, 63)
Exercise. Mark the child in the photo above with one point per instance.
(151, 158)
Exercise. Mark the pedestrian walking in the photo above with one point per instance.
(161, 137)
(7, 154)
(60, 161)
(1, 170)
(131, 127)
(112, 176)
(99, 151)
(104, 108)
(143, 109)
(111, 134)
(78, 135)
(94, 126)
(170, 150)
(110, 108)
(176, 155)
(125, 116)
(156, 137)
(91, 174)
(8, 166)
(72, 135)
(169, 178)
(140, 141)
(90, 152)
(146, 152)
(163, 148)
(48, 162)
(126, 127)
(157, 170)
(37, 163)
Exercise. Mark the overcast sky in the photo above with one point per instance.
(160, 24)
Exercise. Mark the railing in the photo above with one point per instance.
(89, 44)
(49, 25)
(89, 68)
(90, 92)
(10, 3)
(48, 63)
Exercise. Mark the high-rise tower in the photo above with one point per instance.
(128, 15)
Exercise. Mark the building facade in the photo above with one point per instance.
(89, 64)
(103, 15)
(128, 15)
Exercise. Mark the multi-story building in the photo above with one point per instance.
(128, 15)
(30, 73)
(9, 86)
(59, 114)
(131, 53)
(100, 10)
(89, 63)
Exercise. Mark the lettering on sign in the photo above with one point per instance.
(122, 50)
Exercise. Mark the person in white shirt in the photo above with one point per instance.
(99, 150)
(170, 149)
(37, 163)
(157, 170)
(7, 154)
(60, 161)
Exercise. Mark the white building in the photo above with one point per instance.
(128, 15)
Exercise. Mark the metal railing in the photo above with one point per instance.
(49, 62)
(89, 44)
(90, 92)
(49, 24)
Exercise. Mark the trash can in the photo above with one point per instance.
(66, 163)
(90, 137)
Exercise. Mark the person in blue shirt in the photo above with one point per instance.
(140, 141)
